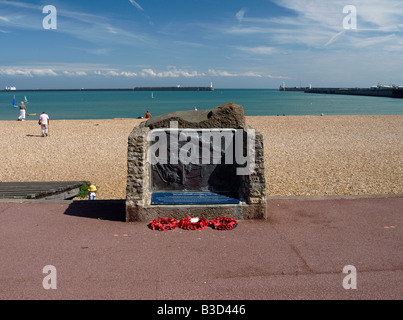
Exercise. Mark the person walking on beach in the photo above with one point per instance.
(148, 115)
(44, 122)
(23, 110)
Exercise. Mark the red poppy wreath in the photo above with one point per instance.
(163, 224)
(193, 223)
(223, 223)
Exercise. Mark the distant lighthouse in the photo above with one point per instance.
(282, 86)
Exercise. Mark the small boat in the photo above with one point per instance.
(13, 103)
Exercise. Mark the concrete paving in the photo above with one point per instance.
(298, 253)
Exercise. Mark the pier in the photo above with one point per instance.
(396, 92)
(293, 88)
(381, 90)
(173, 89)
(122, 89)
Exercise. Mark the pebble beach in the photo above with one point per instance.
(304, 155)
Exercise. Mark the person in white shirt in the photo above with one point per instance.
(23, 109)
(44, 122)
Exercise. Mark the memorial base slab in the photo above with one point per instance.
(235, 211)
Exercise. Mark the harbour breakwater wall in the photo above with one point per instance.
(173, 89)
(293, 88)
(376, 92)
(123, 89)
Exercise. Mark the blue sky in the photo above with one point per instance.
(234, 44)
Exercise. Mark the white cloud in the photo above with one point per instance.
(258, 50)
(251, 74)
(128, 74)
(75, 73)
(27, 72)
(277, 77)
(134, 3)
(114, 73)
(220, 73)
(148, 72)
(316, 24)
(90, 27)
(333, 39)
(373, 41)
(111, 30)
(43, 72)
(372, 15)
(65, 69)
(245, 30)
(172, 73)
(385, 14)
(240, 15)
(15, 72)
(190, 44)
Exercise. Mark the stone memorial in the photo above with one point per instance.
(205, 163)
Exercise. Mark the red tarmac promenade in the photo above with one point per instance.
(298, 253)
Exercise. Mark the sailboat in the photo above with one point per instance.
(26, 102)
(13, 103)
(152, 95)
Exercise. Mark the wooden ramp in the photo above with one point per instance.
(52, 190)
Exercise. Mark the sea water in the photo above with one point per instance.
(133, 104)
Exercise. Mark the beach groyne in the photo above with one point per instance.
(375, 92)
